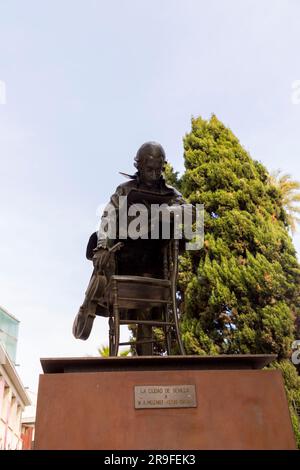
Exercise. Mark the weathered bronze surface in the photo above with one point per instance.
(134, 279)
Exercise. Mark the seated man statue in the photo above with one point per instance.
(124, 254)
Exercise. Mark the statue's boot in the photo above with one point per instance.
(84, 320)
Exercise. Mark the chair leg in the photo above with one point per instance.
(114, 324)
(178, 335)
(111, 336)
(175, 318)
(174, 301)
(167, 330)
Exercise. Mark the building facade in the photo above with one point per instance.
(13, 396)
(28, 422)
(9, 330)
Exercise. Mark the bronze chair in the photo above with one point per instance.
(140, 294)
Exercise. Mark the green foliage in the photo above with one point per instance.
(104, 351)
(240, 292)
(171, 176)
(289, 191)
(292, 385)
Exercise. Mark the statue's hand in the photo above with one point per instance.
(101, 259)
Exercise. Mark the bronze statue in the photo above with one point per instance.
(138, 256)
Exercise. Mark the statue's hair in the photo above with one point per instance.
(153, 149)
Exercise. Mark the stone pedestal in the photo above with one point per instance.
(93, 403)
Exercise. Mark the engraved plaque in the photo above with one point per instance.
(165, 396)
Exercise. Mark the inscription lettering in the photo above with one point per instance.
(169, 396)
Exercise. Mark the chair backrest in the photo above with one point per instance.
(140, 292)
(151, 258)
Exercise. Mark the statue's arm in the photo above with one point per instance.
(111, 214)
(91, 246)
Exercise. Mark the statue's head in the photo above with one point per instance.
(149, 161)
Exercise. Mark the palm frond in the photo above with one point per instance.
(289, 195)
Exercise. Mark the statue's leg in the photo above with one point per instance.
(144, 333)
(84, 319)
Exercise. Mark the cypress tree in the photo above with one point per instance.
(240, 292)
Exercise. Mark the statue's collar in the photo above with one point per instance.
(136, 177)
(130, 177)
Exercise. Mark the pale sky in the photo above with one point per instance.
(87, 82)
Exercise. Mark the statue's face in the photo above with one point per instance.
(151, 171)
